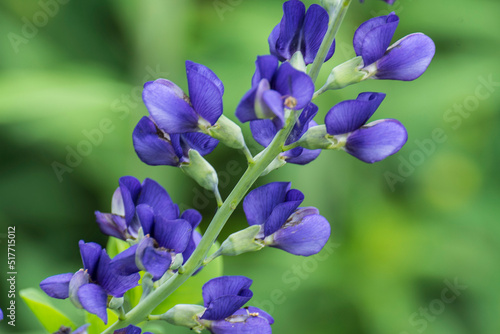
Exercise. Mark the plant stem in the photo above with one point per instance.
(146, 306)
(336, 17)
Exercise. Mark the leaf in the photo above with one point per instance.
(49, 316)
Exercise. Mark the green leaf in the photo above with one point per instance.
(49, 316)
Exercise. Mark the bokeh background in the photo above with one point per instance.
(404, 229)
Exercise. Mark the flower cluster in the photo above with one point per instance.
(161, 246)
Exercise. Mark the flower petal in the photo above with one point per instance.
(193, 217)
(90, 253)
(94, 300)
(265, 68)
(260, 202)
(224, 286)
(350, 115)
(155, 261)
(154, 195)
(306, 156)
(152, 146)
(306, 236)
(81, 277)
(373, 37)
(225, 306)
(146, 216)
(110, 280)
(124, 262)
(247, 325)
(313, 31)
(283, 211)
(167, 104)
(263, 131)
(198, 141)
(303, 123)
(407, 59)
(291, 82)
(173, 235)
(193, 243)
(111, 225)
(57, 286)
(293, 18)
(377, 140)
(130, 188)
(245, 111)
(130, 329)
(205, 92)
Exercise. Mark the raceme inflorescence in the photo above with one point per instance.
(158, 246)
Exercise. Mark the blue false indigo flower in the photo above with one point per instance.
(122, 222)
(130, 329)
(406, 60)
(371, 142)
(90, 287)
(275, 207)
(156, 147)
(1, 315)
(67, 330)
(274, 89)
(299, 31)
(222, 296)
(246, 320)
(164, 240)
(264, 131)
(174, 112)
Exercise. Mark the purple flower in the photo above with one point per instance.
(223, 298)
(156, 147)
(224, 295)
(275, 207)
(370, 142)
(90, 287)
(300, 31)
(130, 329)
(272, 90)
(244, 321)
(406, 60)
(67, 330)
(1, 315)
(122, 222)
(165, 238)
(264, 131)
(174, 112)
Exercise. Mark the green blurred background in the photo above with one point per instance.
(402, 228)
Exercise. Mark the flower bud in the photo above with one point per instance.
(201, 171)
(228, 133)
(278, 162)
(346, 74)
(242, 242)
(184, 315)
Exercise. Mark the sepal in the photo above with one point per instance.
(201, 171)
(227, 132)
(242, 242)
(184, 315)
(318, 138)
(345, 74)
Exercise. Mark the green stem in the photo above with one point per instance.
(218, 198)
(336, 17)
(144, 308)
(248, 154)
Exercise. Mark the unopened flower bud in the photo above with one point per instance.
(115, 303)
(201, 171)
